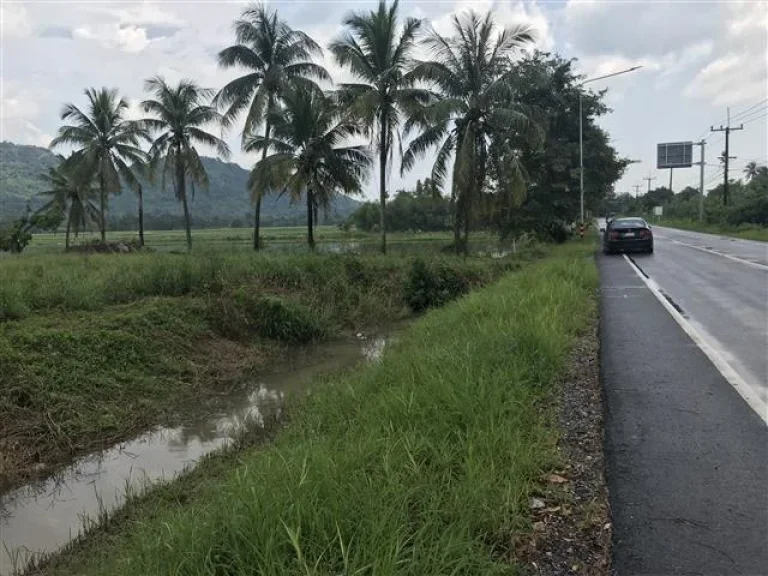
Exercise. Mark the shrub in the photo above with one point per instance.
(433, 286)
(241, 314)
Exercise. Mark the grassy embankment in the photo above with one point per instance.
(421, 464)
(95, 349)
(745, 231)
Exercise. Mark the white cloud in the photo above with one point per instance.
(126, 38)
(14, 21)
(739, 71)
(726, 80)
(19, 113)
(748, 17)
(147, 13)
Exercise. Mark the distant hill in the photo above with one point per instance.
(225, 203)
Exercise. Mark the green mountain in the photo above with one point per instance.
(225, 203)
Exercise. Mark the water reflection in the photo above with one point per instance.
(41, 518)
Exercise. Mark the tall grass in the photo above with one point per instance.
(72, 282)
(420, 465)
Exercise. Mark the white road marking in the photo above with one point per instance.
(715, 252)
(734, 379)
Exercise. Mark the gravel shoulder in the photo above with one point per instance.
(572, 530)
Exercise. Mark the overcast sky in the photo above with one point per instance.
(698, 58)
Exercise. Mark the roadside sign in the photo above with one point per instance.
(674, 155)
(658, 210)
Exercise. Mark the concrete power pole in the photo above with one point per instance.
(648, 178)
(727, 131)
(637, 189)
(701, 180)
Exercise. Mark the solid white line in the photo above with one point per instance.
(734, 258)
(733, 378)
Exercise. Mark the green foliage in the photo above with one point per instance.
(422, 210)
(378, 53)
(107, 144)
(472, 115)
(433, 285)
(310, 160)
(395, 469)
(548, 87)
(747, 206)
(241, 314)
(15, 236)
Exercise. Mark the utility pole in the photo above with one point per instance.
(727, 131)
(637, 189)
(648, 178)
(701, 180)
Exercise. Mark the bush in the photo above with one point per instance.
(433, 286)
(241, 314)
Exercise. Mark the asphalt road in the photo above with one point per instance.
(686, 456)
(720, 285)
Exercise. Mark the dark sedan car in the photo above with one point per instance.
(627, 235)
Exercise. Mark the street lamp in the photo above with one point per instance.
(581, 130)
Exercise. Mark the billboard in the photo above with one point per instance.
(674, 155)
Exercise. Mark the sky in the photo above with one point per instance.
(697, 58)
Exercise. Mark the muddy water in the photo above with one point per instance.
(42, 518)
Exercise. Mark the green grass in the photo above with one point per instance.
(76, 282)
(94, 349)
(276, 239)
(745, 231)
(420, 465)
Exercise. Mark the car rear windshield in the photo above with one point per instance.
(629, 223)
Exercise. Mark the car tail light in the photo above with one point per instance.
(614, 236)
(645, 233)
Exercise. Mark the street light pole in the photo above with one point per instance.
(581, 131)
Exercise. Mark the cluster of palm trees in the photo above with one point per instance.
(460, 103)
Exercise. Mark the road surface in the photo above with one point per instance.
(686, 454)
(720, 285)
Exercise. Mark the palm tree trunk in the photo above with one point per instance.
(466, 229)
(103, 194)
(182, 193)
(141, 217)
(383, 183)
(66, 238)
(257, 210)
(456, 206)
(310, 224)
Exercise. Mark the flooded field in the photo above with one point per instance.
(41, 518)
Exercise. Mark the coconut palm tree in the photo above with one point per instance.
(751, 170)
(273, 54)
(71, 192)
(309, 156)
(474, 115)
(379, 53)
(179, 115)
(109, 142)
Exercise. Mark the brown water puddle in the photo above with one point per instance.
(41, 518)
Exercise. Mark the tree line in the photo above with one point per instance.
(747, 204)
(501, 124)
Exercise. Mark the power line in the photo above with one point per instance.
(743, 112)
(763, 115)
(740, 114)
